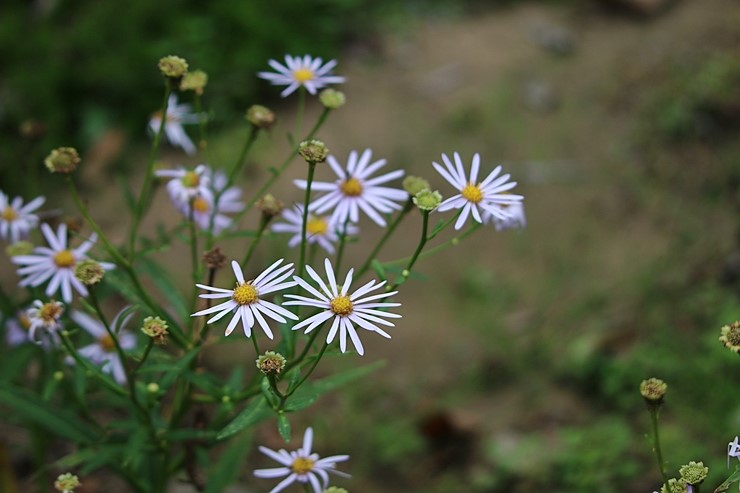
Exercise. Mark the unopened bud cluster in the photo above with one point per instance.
(694, 472)
(261, 117)
(195, 81)
(89, 272)
(66, 483)
(653, 390)
(414, 184)
(313, 151)
(730, 336)
(173, 67)
(214, 258)
(270, 206)
(271, 363)
(156, 328)
(674, 486)
(19, 248)
(427, 200)
(62, 160)
(332, 99)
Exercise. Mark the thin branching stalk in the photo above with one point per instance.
(388, 233)
(304, 225)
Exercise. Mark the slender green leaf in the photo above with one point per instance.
(256, 411)
(734, 478)
(229, 465)
(283, 426)
(126, 192)
(331, 383)
(166, 286)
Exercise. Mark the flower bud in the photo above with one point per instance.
(730, 337)
(674, 486)
(62, 160)
(261, 117)
(89, 272)
(194, 81)
(66, 483)
(19, 248)
(427, 201)
(270, 206)
(313, 151)
(152, 387)
(58, 376)
(332, 99)
(173, 67)
(694, 472)
(271, 363)
(653, 390)
(156, 328)
(214, 258)
(414, 184)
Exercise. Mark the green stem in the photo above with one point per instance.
(432, 251)
(255, 241)
(86, 364)
(306, 200)
(342, 243)
(654, 411)
(195, 265)
(254, 342)
(203, 143)
(299, 113)
(147, 350)
(305, 351)
(419, 248)
(388, 232)
(146, 188)
(239, 164)
(310, 370)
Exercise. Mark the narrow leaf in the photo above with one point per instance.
(283, 426)
(256, 411)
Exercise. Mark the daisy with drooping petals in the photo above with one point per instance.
(346, 309)
(516, 219)
(301, 465)
(301, 71)
(103, 350)
(354, 190)
(476, 197)
(177, 115)
(187, 184)
(44, 316)
(245, 299)
(227, 201)
(319, 229)
(56, 263)
(16, 219)
(18, 328)
(733, 450)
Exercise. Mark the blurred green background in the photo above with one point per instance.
(517, 364)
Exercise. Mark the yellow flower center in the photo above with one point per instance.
(341, 305)
(303, 75)
(191, 179)
(9, 214)
(317, 226)
(65, 258)
(245, 294)
(200, 204)
(351, 187)
(472, 193)
(50, 312)
(302, 465)
(106, 342)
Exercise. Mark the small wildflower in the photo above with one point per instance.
(208, 215)
(427, 201)
(67, 482)
(653, 390)
(271, 363)
(730, 336)
(103, 351)
(345, 308)
(319, 229)
(332, 99)
(214, 258)
(19, 248)
(62, 160)
(515, 220)
(414, 184)
(733, 450)
(56, 263)
(16, 219)
(355, 189)
(89, 272)
(302, 466)
(313, 151)
(261, 117)
(270, 206)
(187, 184)
(176, 115)
(173, 67)
(194, 81)
(245, 300)
(156, 328)
(44, 316)
(693, 472)
(303, 71)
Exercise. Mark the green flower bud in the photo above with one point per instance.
(730, 336)
(194, 81)
(653, 390)
(173, 67)
(62, 160)
(152, 387)
(427, 201)
(674, 486)
(19, 248)
(694, 472)
(89, 272)
(313, 151)
(332, 99)
(414, 184)
(271, 363)
(156, 328)
(261, 117)
(270, 206)
(66, 483)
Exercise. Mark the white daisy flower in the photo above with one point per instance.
(16, 219)
(733, 450)
(228, 201)
(354, 190)
(56, 263)
(177, 115)
(476, 197)
(245, 299)
(344, 308)
(103, 350)
(319, 229)
(301, 71)
(515, 220)
(302, 466)
(44, 316)
(187, 184)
